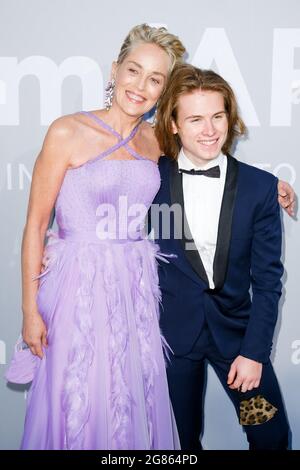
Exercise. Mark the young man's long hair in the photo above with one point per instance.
(186, 79)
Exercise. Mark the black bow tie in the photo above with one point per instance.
(213, 172)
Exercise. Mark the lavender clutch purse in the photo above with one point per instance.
(23, 364)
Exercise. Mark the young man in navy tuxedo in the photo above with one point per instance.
(220, 291)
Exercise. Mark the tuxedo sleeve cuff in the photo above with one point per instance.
(262, 357)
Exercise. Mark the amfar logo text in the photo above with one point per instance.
(214, 47)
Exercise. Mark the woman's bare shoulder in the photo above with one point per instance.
(65, 126)
(60, 138)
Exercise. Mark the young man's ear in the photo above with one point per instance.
(174, 127)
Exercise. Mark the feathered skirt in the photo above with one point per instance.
(102, 381)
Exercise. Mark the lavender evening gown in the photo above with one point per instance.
(102, 382)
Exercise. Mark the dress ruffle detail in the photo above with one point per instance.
(75, 394)
(138, 263)
(155, 255)
(121, 399)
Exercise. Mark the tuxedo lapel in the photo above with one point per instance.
(181, 224)
(225, 224)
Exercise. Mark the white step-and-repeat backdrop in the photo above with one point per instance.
(55, 58)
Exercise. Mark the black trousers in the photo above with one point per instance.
(186, 378)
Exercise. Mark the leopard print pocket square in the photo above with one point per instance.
(256, 410)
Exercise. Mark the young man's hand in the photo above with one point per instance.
(244, 374)
(286, 197)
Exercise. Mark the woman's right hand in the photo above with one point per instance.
(34, 334)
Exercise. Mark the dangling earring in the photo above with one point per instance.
(154, 119)
(109, 94)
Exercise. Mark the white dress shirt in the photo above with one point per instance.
(202, 202)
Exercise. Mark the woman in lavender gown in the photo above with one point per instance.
(95, 353)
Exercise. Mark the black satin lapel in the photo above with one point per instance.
(181, 224)
(225, 223)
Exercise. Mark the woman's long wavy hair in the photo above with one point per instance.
(185, 79)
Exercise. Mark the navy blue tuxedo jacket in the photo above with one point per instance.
(241, 311)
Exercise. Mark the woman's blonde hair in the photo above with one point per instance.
(144, 33)
(186, 79)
